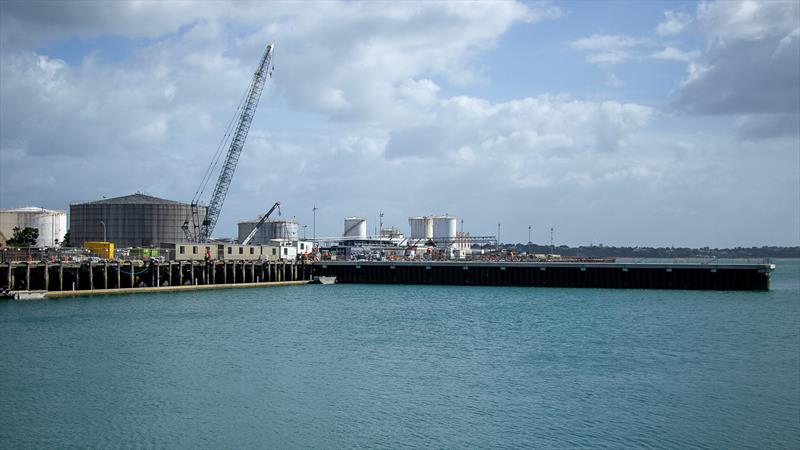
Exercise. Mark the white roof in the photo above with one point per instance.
(32, 209)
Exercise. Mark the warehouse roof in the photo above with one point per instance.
(134, 199)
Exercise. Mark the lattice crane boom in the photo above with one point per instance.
(201, 229)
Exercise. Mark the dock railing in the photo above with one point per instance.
(696, 261)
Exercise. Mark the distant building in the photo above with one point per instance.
(136, 220)
(52, 225)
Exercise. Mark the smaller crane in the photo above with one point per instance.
(264, 218)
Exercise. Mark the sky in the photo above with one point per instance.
(621, 123)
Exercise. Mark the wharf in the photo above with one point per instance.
(732, 275)
(68, 278)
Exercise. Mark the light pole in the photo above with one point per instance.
(314, 244)
(529, 241)
(463, 236)
(498, 238)
(104, 230)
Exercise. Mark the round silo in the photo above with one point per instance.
(444, 228)
(355, 227)
(130, 221)
(285, 230)
(52, 225)
(417, 224)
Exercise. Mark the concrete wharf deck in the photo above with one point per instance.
(735, 276)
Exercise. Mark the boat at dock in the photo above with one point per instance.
(21, 295)
(324, 280)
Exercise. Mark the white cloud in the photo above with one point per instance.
(748, 20)
(674, 23)
(606, 42)
(609, 49)
(611, 57)
(674, 54)
(752, 64)
(363, 114)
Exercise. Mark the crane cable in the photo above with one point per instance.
(218, 153)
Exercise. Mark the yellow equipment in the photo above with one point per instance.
(104, 250)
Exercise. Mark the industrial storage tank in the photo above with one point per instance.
(52, 225)
(245, 227)
(355, 227)
(421, 227)
(286, 230)
(136, 220)
(444, 229)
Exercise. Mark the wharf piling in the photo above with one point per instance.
(89, 276)
(689, 276)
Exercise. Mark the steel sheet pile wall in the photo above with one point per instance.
(745, 278)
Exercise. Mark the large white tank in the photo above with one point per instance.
(52, 225)
(286, 230)
(444, 229)
(421, 227)
(355, 227)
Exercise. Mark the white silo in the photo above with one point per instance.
(421, 227)
(280, 229)
(285, 230)
(444, 229)
(52, 225)
(355, 227)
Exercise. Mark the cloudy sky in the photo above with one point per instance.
(628, 123)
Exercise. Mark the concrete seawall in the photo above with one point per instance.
(152, 290)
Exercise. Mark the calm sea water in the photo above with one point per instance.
(405, 366)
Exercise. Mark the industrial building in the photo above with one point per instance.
(129, 221)
(52, 225)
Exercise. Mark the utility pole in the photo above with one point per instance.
(314, 244)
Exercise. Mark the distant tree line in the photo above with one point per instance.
(600, 251)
